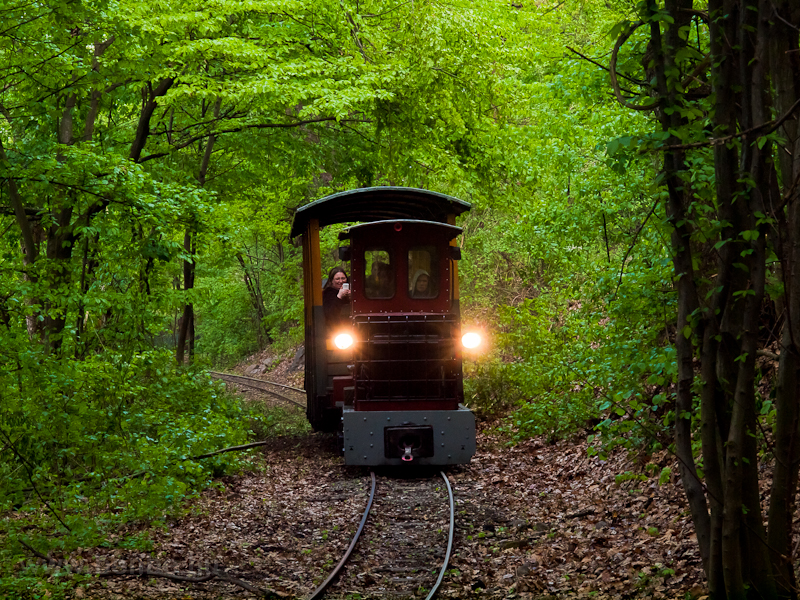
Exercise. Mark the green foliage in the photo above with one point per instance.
(664, 475)
(579, 341)
(290, 103)
(489, 389)
(566, 259)
(602, 360)
(226, 322)
(90, 444)
(271, 421)
(629, 476)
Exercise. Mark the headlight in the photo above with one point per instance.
(343, 341)
(471, 340)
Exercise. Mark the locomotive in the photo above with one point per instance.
(388, 375)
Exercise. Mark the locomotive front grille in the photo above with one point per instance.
(407, 359)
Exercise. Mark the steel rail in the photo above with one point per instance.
(449, 538)
(321, 589)
(288, 387)
(232, 378)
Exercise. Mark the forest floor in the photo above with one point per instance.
(535, 520)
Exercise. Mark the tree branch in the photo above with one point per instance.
(196, 138)
(602, 66)
(25, 463)
(148, 573)
(215, 573)
(94, 106)
(633, 243)
(143, 127)
(770, 126)
(612, 71)
(226, 115)
(146, 471)
(19, 212)
(354, 32)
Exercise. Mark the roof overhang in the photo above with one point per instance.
(367, 205)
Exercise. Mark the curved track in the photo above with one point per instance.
(414, 554)
(268, 387)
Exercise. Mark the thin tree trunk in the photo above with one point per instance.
(29, 246)
(149, 104)
(680, 196)
(255, 298)
(188, 309)
(712, 454)
(787, 456)
(31, 235)
(190, 244)
(81, 307)
(755, 78)
(784, 72)
(60, 243)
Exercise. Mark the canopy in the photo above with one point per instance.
(378, 204)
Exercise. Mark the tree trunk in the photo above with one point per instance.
(784, 70)
(150, 97)
(190, 245)
(256, 299)
(679, 198)
(187, 320)
(755, 76)
(31, 234)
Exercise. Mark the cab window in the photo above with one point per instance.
(379, 274)
(423, 272)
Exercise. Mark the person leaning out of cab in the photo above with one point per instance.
(335, 296)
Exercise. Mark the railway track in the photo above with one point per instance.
(404, 545)
(408, 541)
(268, 387)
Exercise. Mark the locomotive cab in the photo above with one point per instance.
(389, 374)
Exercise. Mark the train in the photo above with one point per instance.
(387, 372)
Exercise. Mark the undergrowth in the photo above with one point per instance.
(93, 445)
(583, 355)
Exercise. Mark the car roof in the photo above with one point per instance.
(383, 203)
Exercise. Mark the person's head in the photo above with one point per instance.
(336, 278)
(421, 284)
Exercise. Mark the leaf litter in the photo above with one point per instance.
(534, 521)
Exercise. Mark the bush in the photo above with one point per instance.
(89, 445)
(603, 360)
(489, 389)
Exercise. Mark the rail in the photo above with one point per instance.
(259, 384)
(320, 591)
(324, 585)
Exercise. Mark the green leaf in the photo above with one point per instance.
(664, 476)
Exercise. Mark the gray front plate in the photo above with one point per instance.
(453, 435)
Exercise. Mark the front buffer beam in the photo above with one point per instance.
(418, 437)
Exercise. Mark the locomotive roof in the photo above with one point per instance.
(452, 230)
(383, 203)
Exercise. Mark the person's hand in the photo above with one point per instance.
(343, 293)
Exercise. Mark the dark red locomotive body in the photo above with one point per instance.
(396, 389)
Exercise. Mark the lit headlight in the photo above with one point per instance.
(471, 340)
(343, 341)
